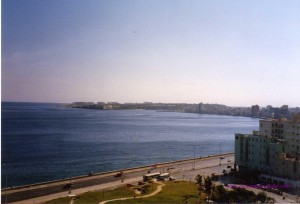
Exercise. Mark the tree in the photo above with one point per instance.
(222, 194)
(262, 197)
(208, 186)
(199, 182)
(241, 195)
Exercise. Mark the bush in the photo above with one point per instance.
(262, 197)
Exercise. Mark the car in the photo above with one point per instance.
(171, 178)
(228, 166)
(119, 174)
(67, 186)
(222, 157)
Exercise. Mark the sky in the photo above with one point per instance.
(232, 52)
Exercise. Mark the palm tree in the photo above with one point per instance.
(208, 186)
(199, 182)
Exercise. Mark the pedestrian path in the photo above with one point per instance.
(159, 188)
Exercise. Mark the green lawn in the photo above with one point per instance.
(171, 193)
(95, 197)
(65, 200)
(98, 196)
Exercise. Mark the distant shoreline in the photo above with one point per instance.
(168, 111)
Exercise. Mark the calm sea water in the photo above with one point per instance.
(43, 142)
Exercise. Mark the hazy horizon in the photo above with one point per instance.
(231, 52)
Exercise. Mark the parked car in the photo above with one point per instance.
(172, 167)
(67, 186)
(119, 174)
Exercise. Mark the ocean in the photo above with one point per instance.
(43, 142)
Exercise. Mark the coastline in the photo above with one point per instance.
(110, 172)
(84, 183)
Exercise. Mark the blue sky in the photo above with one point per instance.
(236, 53)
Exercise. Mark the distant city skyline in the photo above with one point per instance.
(235, 53)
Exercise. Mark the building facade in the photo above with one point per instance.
(274, 151)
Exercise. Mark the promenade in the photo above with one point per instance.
(185, 169)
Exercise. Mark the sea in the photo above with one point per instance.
(45, 141)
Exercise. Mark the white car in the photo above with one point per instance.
(172, 167)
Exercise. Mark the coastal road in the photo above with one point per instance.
(186, 169)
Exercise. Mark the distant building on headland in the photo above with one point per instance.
(220, 109)
(201, 108)
(255, 111)
(274, 150)
(272, 112)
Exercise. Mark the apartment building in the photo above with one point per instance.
(274, 151)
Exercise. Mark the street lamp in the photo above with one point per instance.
(220, 156)
(194, 163)
(194, 158)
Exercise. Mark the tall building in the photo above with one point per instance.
(255, 110)
(274, 151)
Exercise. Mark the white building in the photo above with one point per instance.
(274, 151)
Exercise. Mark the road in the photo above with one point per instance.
(181, 170)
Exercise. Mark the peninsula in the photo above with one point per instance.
(200, 108)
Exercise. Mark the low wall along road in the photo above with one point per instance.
(55, 187)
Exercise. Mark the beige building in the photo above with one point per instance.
(274, 151)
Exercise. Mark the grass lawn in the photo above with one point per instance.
(98, 196)
(65, 200)
(171, 193)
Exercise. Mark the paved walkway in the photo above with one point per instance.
(159, 188)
